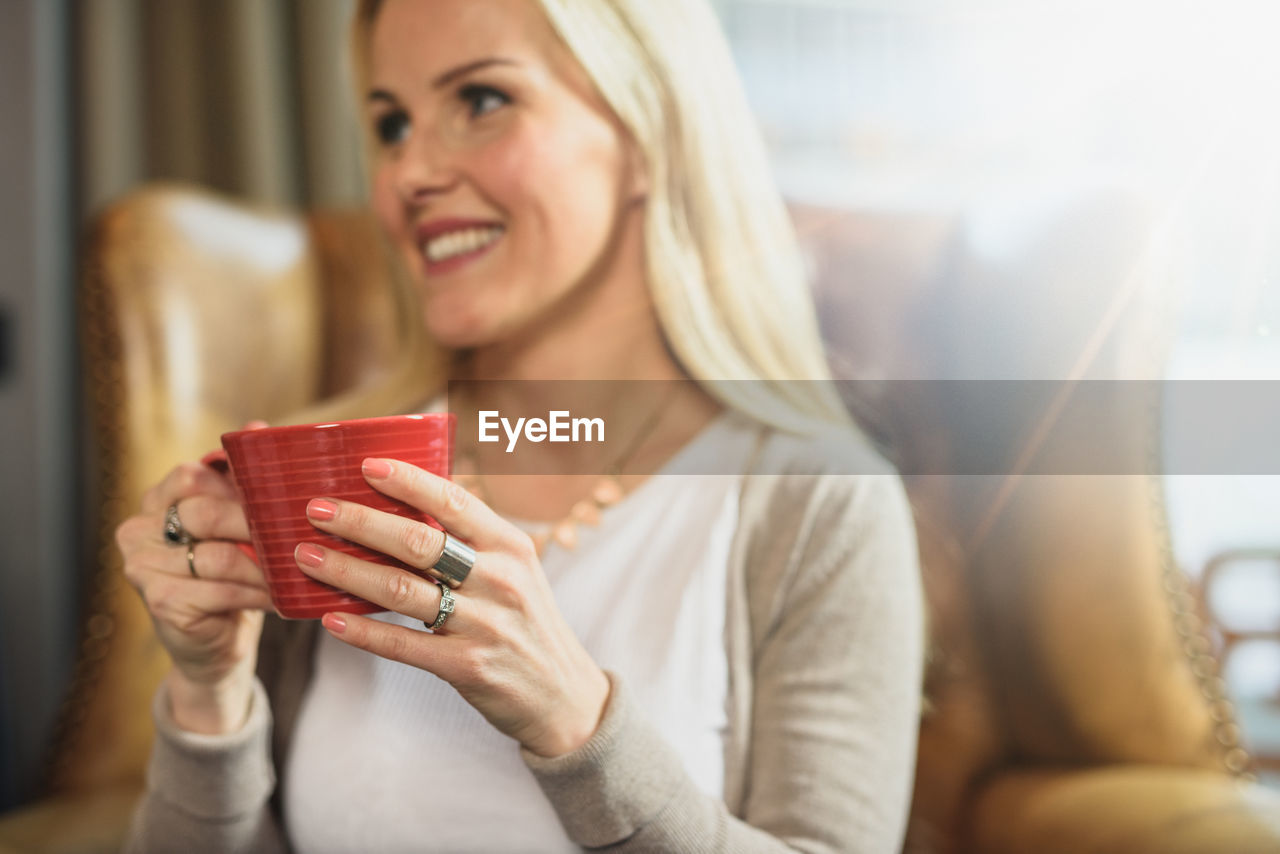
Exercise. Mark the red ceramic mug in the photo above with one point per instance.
(278, 470)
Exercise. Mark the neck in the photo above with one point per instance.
(611, 339)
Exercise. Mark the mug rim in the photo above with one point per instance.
(341, 425)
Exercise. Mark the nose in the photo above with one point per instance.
(422, 170)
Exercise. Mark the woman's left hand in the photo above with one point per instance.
(506, 648)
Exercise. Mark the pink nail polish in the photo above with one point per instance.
(377, 469)
(321, 509)
(335, 623)
(309, 554)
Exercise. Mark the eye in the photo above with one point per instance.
(482, 99)
(391, 128)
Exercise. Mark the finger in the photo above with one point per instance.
(190, 478)
(407, 540)
(210, 517)
(216, 560)
(391, 587)
(436, 653)
(460, 512)
(168, 563)
(167, 595)
(138, 533)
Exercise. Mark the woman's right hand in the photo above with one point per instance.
(210, 623)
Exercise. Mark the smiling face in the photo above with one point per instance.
(499, 173)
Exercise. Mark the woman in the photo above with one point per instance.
(727, 664)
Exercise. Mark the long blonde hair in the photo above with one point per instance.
(724, 268)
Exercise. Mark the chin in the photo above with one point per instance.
(460, 330)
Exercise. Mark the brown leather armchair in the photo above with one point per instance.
(1074, 705)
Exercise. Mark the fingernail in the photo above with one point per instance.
(321, 509)
(378, 469)
(309, 554)
(335, 623)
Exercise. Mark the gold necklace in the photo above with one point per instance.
(588, 510)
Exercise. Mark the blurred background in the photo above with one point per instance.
(998, 114)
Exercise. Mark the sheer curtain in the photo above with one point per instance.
(250, 97)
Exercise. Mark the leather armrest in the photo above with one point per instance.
(90, 822)
(1125, 809)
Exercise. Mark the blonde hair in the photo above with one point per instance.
(724, 268)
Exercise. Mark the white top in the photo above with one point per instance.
(418, 769)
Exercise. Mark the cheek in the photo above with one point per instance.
(512, 174)
(563, 188)
(561, 158)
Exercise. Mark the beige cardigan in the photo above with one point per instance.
(824, 632)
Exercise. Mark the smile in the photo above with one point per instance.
(463, 241)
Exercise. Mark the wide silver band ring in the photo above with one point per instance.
(446, 608)
(455, 562)
(174, 533)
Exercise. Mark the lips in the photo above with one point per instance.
(447, 244)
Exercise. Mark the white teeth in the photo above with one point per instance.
(459, 242)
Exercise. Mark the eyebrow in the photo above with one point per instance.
(447, 77)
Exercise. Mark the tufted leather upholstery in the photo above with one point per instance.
(1064, 711)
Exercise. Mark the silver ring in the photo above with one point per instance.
(174, 532)
(191, 559)
(446, 608)
(455, 562)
